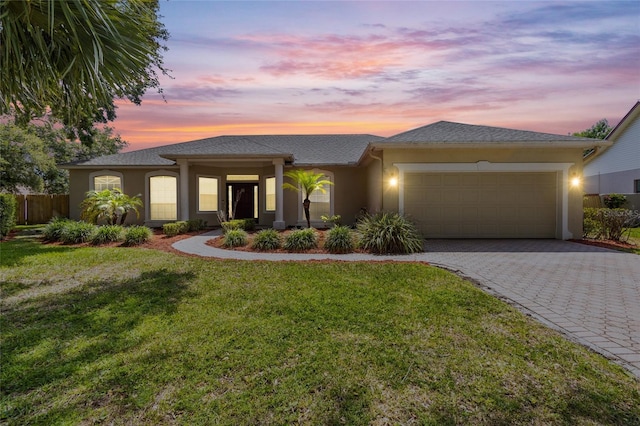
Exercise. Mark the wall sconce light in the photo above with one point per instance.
(393, 181)
(575, 181)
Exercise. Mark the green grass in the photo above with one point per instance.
(137, 336)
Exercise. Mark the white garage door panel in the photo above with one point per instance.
(482, 205)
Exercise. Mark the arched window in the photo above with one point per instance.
(105, 179)
(163, 196)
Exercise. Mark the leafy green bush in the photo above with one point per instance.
(107, 234)
(77, 232)
(174, 228)
(53, 230)
(301, 240)
(614, 201)
(244, 224)
(609, 224)
(339, 240)
(591, 226)
(8, 207)
(196, 224)
(267, 239)
(235, 238)
(136, 235)
(387, 233)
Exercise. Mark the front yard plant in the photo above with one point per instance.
(301, 240)
(340, 240)
(105, 335)
(389, 233)
(136, 235)
(107, 234)
(235, 238)
(267, 239)
(8, 207)
(77, 232)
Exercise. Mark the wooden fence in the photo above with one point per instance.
(34, 209)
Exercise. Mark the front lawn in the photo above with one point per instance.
(139, 336)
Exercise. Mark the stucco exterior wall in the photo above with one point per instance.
(502, 155)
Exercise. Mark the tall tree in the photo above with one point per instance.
(29, 156)
(72, 58)
(24, 160)
(308, 182)
(600, 130)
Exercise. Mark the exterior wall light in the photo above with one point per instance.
(575, 182)
(393, 182)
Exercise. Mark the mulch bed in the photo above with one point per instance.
(610, 244)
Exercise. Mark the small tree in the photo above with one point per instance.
(307, 181)
(109, 205)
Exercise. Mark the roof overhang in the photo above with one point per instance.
(492, 145)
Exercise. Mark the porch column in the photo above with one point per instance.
(184, 189)
(279, 222)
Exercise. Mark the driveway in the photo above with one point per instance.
(590, 294)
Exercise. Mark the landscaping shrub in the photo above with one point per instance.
(591, 227)
(107, 234)
(609, 224)
(614, 201)
(389, 233)
(174, 228)
(244, 224)
(77, 232)
(267, 239)
(235, 238)
(196, 224)
(53, 230)
(339, 240)
(301, 240)
(136, 235)
(8, 207)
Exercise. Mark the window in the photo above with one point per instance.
(105, 179)
(163, 198)
(270, 194)
(320, 203)
(636, 186)
(207, 194)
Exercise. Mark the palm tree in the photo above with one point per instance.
(109, 204)
(72, 58)
(307, 181)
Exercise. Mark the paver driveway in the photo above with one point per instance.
(592, 295)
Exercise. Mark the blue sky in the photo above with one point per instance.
(384, 67)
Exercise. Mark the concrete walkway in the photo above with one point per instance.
(590, 294)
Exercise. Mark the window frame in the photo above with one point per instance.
(94, 175)
(147, 203)
(218, 183)
(636, 186)
(266, 193)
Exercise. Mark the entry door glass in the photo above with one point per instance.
(242, 200)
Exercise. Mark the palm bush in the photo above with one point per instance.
(339, 240)
(301, 240)
(235, 238)
(389, 233)
(136, 235)
(77, 232)
(267, 239)
(53, 230)
(110, 205)
(107, 234)
(307, 182)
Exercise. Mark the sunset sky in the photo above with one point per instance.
(301, 67)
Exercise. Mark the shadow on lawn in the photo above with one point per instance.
(84, 339)
(17, 249)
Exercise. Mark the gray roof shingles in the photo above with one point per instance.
(448, 132)
(309, 150)
(305, 150)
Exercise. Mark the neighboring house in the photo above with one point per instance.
(616, 169)
(454, 180)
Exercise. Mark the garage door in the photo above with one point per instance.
(482, 205)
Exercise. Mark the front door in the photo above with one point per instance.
(242, 200)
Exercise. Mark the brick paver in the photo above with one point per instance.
(590, 294)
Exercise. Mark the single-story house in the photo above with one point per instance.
(454, 180)
(616, 169)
